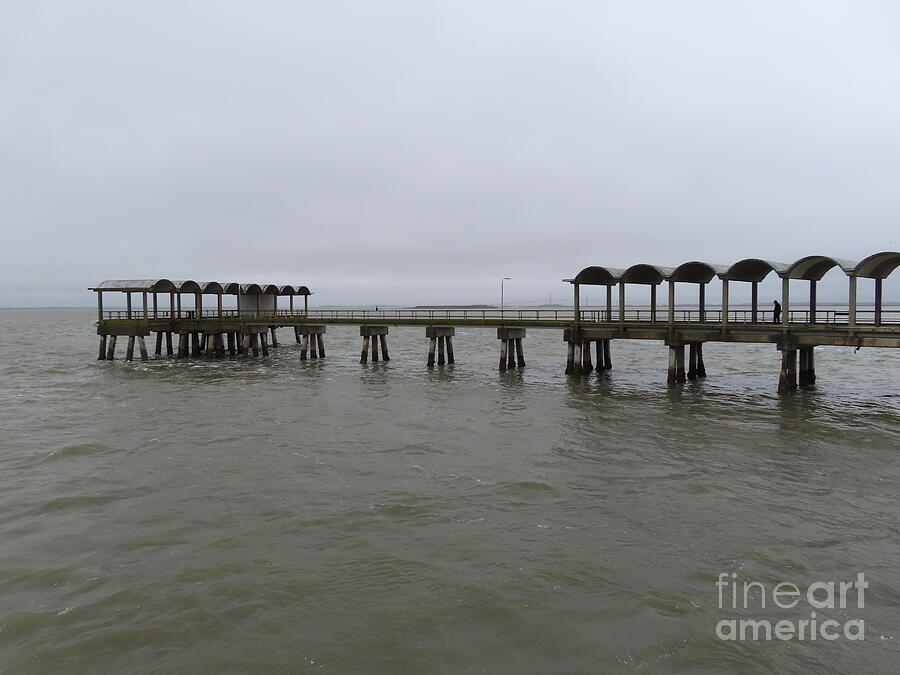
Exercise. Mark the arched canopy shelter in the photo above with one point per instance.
(290, 291)
(753, 271)
(648, 275)
(694, 272)
(878, 267)
(595, 276)
(189, 286)
(129, 286)
(812, 268)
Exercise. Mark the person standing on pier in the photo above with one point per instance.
(776, 314)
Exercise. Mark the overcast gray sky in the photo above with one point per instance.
(416, 152)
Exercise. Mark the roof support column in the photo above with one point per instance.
(198, 305)
(754, 301)
(702, 303)
(155, 305)
(99, 305)
(878, 302)
(291, 301)
(609, 303)
(275, 304)
(144, 302)
(724, 302)
(576, 302)
(812, 300)
(785, 300)
(621, 302)
(257, 304)
(128, 303)
(305, 305)
(851, 314)
(178, 305)
(219, 303)
(653, 304)
(671, 301)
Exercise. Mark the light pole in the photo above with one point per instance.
(504, 279)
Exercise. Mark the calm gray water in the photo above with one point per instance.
(327, 517)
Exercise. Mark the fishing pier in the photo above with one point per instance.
(189, 318)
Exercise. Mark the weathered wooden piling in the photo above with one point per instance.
(696, 369)
(102, 355)
(807, 375)
(111, 351)
(787, 377)
(441, 342)
(274, 336)
(311, 341)
(676, 364)
(512, 354)
(373, 334)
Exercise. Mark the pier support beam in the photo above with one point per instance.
(512, 354)
(274, 336)
(102, 355)
(440, 341)
(787, 378)
(696, 369)
(376, 333)
(578, 356)
(111, 351)
(676, 365)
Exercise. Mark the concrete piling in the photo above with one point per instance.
(441, 341)
(787, 377)
(512, 354)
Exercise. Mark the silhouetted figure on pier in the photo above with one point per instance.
(776, 314)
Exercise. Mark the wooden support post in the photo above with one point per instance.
(652, 309)
(157, 351)
(851, 313)
(202, 337)
(432, 346)
(320, 341)
(672, 376)
(195, 344)
(570, 357)
(304, 347)
(297, 334)
(811, 365)
(701, 368)
(219, 304)
(169, 351)
(692, 362)
(576, 305)
(265, 343)
(111, 351)
(586, 365)
(182, 346)
(609, 303)
(679, 365)
(601, 362)
(621, 303)
(606, 354)
(129, 352)
(313, 347)
(364, 357)
(230, 338)
(102, 355)
(128, 305)
(274, 337)
(441, 345)
(99, 305)
(386, 357)
(576, 366)
(520, 353)
(803, 371)
(254, 343)
(143, 347)
(511, 354)
(787, 378)
(178, 305)
(144, 302)
(504, 345)
(375, 348)
(450, 358)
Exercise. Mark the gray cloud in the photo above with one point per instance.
(417, 151)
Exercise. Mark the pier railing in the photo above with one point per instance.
(833, 317)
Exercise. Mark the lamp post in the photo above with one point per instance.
(504, 279)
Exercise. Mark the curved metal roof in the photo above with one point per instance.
(250, 289)
(212, 287)
(814, 267)
(135, 285)
(754, 269)
(697, 272)
(597, 276)
(878, 265)
(303, 290)
(270, 289)
(187, 286)
(231, 287)
(646, 274)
